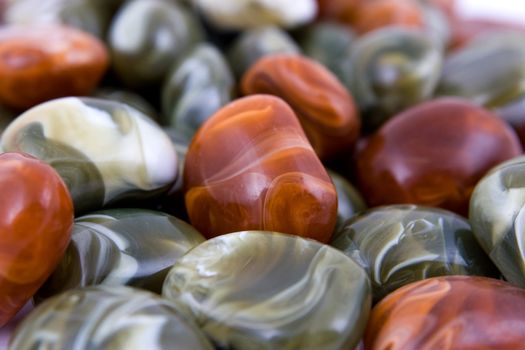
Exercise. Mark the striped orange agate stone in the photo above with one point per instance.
(250, 167)
(326, 110)
(449, 313)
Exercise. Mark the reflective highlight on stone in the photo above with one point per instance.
(268, 179)
(453, 312)
(122, 247)
(264, 290)
(401, 244)
(325, 108)
(104, 151)
(107, 317)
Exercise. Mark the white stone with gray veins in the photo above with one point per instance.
(104, 150)
(244, 14)
(497, 215)
(266, 290)
(103, 317)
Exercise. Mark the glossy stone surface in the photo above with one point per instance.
(105, 151)
(132, 247)
(325, 108)
(265, 290)
(453, 312)
(401, 244)
(349, 200)
(268, 179)
(434, 154)
(197, 86)
(145, 38)
(256, 43)
(86, 15)
(329, 43)
(390, 70)
(127, 97)
(107, 317)
(372, 15)
(45, 62)
(36, 217)
(246, 14)
(496, 214)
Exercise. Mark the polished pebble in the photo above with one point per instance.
(264, 290)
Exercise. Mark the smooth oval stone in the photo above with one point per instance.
(349, 200)
(452, 312)
(268, 179)
(36, 217)
(465, 71)
(145, 38)
(40, 63)
(401, 244)
(105, 151)
(497, 210)
(85, 15)
(256, 43)
(197, 86)
(107, 317)
(265, 290)
(329, 43)
(245, 14)
(132, 247)
(390, 70)
(325, 108)
(434, 154)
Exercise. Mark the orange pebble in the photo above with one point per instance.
(250, 167)
(375, 14)
(46, 62)
(326, 110)
(36, 218)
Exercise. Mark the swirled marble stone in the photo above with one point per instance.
(465, 71)
(390, 70)
(36, 217)
(434, 154)
(86, 15)
(497, 212)
(145, 38)
(264, 290)
(108, 317)
(325, 108)
(349, 200)
(133, 247)
(449, 313)
(330, 44)
(246, 14)
(197, 86)
(39, 63)
(105, 151)
(256, 43)
(401, 244)
(268, 179)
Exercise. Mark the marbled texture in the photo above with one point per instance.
(268, 179)
(105, 151)
(133, 247)
(401, 244)
(108, 317)
(264, 290)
